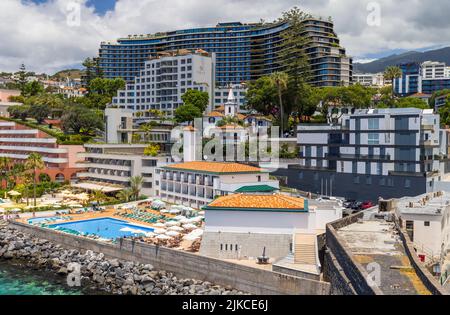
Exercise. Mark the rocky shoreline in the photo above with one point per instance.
(98, 272)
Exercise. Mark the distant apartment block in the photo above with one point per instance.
(164, 79)
(17, 142)
(424, 78)
(371, 79)
(372, 153)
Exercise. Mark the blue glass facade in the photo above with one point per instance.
(409, 83)
(244, 52)
(412, 81)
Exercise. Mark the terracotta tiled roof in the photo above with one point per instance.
(215, 114)
(231, 127)
(215, 167)
(250, 201)
(241, 116)
(220, 108)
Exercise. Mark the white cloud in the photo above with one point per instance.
(41, 37)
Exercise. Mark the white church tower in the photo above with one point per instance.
(231, 106)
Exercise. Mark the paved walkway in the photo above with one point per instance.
(377, 242)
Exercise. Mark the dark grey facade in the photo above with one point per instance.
(354, 187)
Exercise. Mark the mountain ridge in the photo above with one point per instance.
(441, 54)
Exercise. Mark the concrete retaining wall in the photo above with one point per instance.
(344, 273)
(188, 265)
(234, 245)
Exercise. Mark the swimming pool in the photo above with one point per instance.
(107, 228)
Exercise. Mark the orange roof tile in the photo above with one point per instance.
(241, 116)
(231, 127)
(215, 114)
(250, 201)
(220, 108)
(214, 167)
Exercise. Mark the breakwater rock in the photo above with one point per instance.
(109, 275)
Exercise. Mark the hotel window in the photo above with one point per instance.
(373, 139)
(407, 183)
(426, 223)
(379, 168)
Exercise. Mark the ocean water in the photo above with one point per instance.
(18, 280)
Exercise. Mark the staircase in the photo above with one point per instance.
(305, 249)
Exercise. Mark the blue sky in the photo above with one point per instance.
(101, 6)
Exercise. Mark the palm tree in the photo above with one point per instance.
(98, 196)
(147, 129)
(15, 172)
(392, 73)
(34, 163)
(280, 80)
(5, 164)
(125, 194)
(136, 183)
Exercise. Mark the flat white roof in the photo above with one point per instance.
(91, 186)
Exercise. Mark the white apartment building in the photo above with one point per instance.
(109, 167)
(197, 183)
(165, 79)
(434, 70)
(371, 79)
(427, 221)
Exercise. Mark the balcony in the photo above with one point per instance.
(361, 157)
(428, 143)
(427, 127)
(33, 149)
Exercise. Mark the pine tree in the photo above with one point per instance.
(22, 78)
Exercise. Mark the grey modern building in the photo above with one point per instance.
(372, 153)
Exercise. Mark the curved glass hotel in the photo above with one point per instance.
(244, 52)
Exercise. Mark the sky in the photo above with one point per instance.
(50, 35)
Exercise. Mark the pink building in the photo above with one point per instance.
(5, 94)
(17, 142)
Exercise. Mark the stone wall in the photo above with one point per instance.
(235, 245)
(344, 273)
(189, 265)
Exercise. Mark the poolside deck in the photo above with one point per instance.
(110, 212)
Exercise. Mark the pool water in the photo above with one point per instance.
(107, 228)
